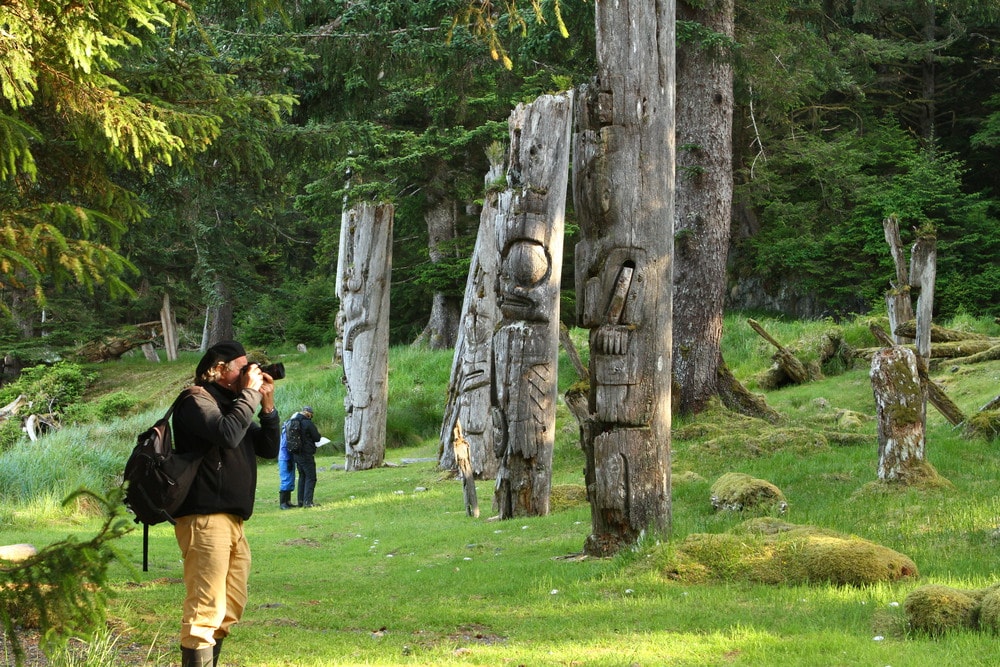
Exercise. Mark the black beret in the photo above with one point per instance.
(225, 350)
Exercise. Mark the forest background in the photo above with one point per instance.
(207, 155)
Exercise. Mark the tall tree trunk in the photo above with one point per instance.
(526, 342)
(219, 316)
(472, 367)
(364, 267)
(703, 205)
(623, 187)
(442, 228)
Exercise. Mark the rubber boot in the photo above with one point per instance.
(197, 657)
(285, 499)
(308, 494)
(216, 650)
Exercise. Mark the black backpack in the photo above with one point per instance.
(293, 436)
(157, 478)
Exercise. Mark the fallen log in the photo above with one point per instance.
(992, 354)
(941, 351)
(939, 334)
(793, 369)
(113, 347)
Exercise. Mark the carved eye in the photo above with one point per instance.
(526, 263)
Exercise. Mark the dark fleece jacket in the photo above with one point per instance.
(219, 424)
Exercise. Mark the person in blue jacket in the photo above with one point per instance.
(286, 472)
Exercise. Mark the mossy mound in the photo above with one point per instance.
(985, 424)
(935, 609)
(775, 552)
(767, 440)
(989, 610)
(739, 492)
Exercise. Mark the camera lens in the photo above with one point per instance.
(276, 371)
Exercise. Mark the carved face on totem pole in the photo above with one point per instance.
(526, 284)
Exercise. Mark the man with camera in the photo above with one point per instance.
(217, 423)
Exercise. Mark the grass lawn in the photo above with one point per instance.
(389, 570)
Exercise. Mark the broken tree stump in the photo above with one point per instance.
(935, 394)
(901, 415)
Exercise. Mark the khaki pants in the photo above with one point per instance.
(216, 569)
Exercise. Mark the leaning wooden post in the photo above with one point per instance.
(526, 342)
(472, 366)
(363, 275)
(464, 463)
(897, 299)
(623, 188)
(901, 412)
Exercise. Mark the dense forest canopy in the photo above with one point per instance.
(207, 153)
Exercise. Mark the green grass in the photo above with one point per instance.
(390, 571)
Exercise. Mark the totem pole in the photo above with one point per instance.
(526, 342)
(364, 266)
(623, 184)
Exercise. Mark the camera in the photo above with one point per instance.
(276, 371)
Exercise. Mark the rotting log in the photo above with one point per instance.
(990, 354)
(794, 369)
(940, 352)
(112, 347)
(935, 394)
(939, 334)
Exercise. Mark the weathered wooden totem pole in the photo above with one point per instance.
(623, 183)
(364, 267)
(526, 342)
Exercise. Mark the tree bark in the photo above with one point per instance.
(703, 205)
(169, 324)
(219, 315)
(526, 342)
(363, 275)
(623, 187)
(441, 331)
(901, 414)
